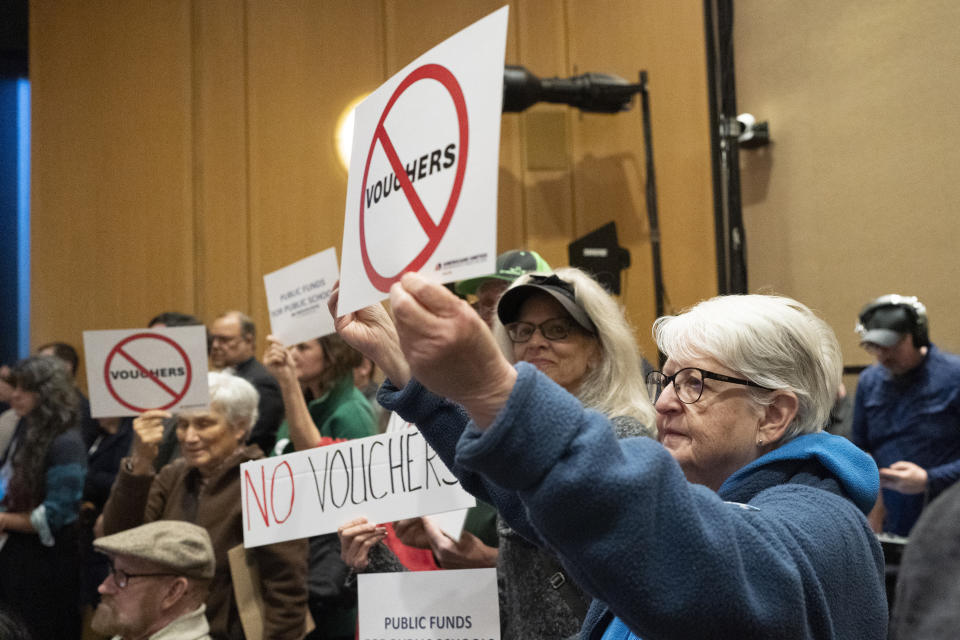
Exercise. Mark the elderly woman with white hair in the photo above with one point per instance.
(204, 487)
(744, 520)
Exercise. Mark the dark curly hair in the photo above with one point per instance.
(57, 410)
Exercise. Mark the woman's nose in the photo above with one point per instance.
(537, 339)
(668, 400)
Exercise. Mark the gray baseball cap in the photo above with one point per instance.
(886, 326)
(182, 546)
(508, 309)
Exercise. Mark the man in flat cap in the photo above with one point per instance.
(907, 410)
(158, 581)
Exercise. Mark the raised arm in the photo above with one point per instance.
(669, 557)
(371, 332)
(303, 433)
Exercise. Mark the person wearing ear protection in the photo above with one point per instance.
(907, 410)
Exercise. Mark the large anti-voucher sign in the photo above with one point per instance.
(132, 370)
(381, 478)
(422, 189)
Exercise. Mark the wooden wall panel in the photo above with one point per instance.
(221, 170)
(856, 197)
(546, 133)
(189, 145)
(111, 203)
(665, 39)
(305, 67)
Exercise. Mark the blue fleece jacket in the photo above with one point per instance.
(782, 551)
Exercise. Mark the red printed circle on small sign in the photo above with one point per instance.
(118, 350)
(434, 231)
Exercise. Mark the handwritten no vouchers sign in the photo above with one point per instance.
(422, 190)
(381, 478)
(132, 370)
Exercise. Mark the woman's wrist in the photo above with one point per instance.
(138, 465)
(395, 366)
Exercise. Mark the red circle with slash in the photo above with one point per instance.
(118, 350)
(434, 232)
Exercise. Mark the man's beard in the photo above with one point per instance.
(105, 621)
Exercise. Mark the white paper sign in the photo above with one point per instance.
(297, 298)
(132, 370)
(381, 478)
(451, 522)
(429, 605)
(422, 189)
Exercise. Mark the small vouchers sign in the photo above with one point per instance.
(422, 188)
(381, 478)
(429, 605)
(130, 371)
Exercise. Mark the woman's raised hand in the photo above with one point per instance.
(371, 332)
(278, 362)
(148, 430)
(449, 348)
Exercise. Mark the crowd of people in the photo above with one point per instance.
(698, 496)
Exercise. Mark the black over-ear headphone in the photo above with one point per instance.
(915, 308)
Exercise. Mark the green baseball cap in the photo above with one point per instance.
(510, 266)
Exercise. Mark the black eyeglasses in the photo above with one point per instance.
(121, 577)
(688, 383)
(552, 329)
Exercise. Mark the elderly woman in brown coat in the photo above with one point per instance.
(203, 487)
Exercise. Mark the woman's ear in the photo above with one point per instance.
(596, 357)
(777, 416)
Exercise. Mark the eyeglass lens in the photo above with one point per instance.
(119, 576)
(553, 329)
(687, 384)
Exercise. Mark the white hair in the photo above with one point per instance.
(774, 341)
(615, 386)
(235, 398)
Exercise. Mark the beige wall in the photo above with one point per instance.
(183, 149)
(858, 195)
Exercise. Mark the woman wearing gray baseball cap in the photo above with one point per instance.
(567, 326)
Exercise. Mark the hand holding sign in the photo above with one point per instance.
(410, 532)
(449, 348)
(467, 553)
(357, 537)
(278, 362)
(148, 430)
(371, 331)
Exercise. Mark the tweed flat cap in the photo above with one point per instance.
(182, 546)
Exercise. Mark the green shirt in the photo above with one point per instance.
(342, 413)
